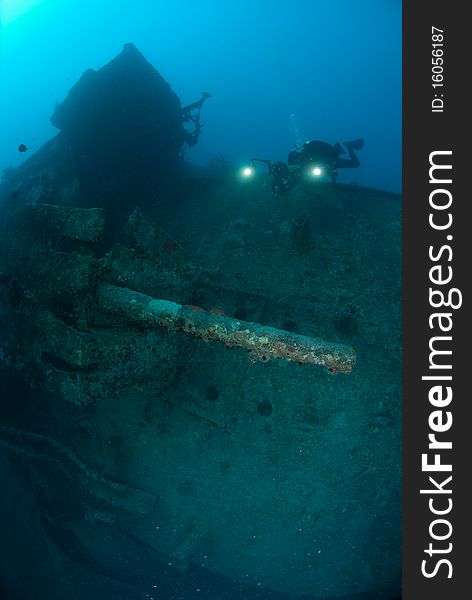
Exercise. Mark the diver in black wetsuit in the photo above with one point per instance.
(316, 153)
(312, 159)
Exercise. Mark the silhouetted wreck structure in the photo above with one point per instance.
(120, 144)
(123, 125)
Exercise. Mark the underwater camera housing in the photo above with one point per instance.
(282, 178)
(285, 176)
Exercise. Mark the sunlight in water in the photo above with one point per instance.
(13, 9)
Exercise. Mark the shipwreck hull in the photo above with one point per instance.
(149, 451)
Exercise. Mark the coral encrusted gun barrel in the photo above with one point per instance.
(262, 342)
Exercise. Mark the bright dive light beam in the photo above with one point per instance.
(247, 171)
(10, 10)
(316, 171)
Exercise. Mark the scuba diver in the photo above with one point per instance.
(323, 158)
(191, 114)
(310, 160)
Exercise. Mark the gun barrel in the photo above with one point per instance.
(261, 341)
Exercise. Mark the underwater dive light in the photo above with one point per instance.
(317, 171)
(250, 169)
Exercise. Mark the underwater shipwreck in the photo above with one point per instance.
(198, 376)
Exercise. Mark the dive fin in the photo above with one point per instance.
(355, 144)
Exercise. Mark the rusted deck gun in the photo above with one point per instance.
(262, 342)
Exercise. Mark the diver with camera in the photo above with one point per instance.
(323, 158)
(311, 160)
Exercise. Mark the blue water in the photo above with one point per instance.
(335, 65)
